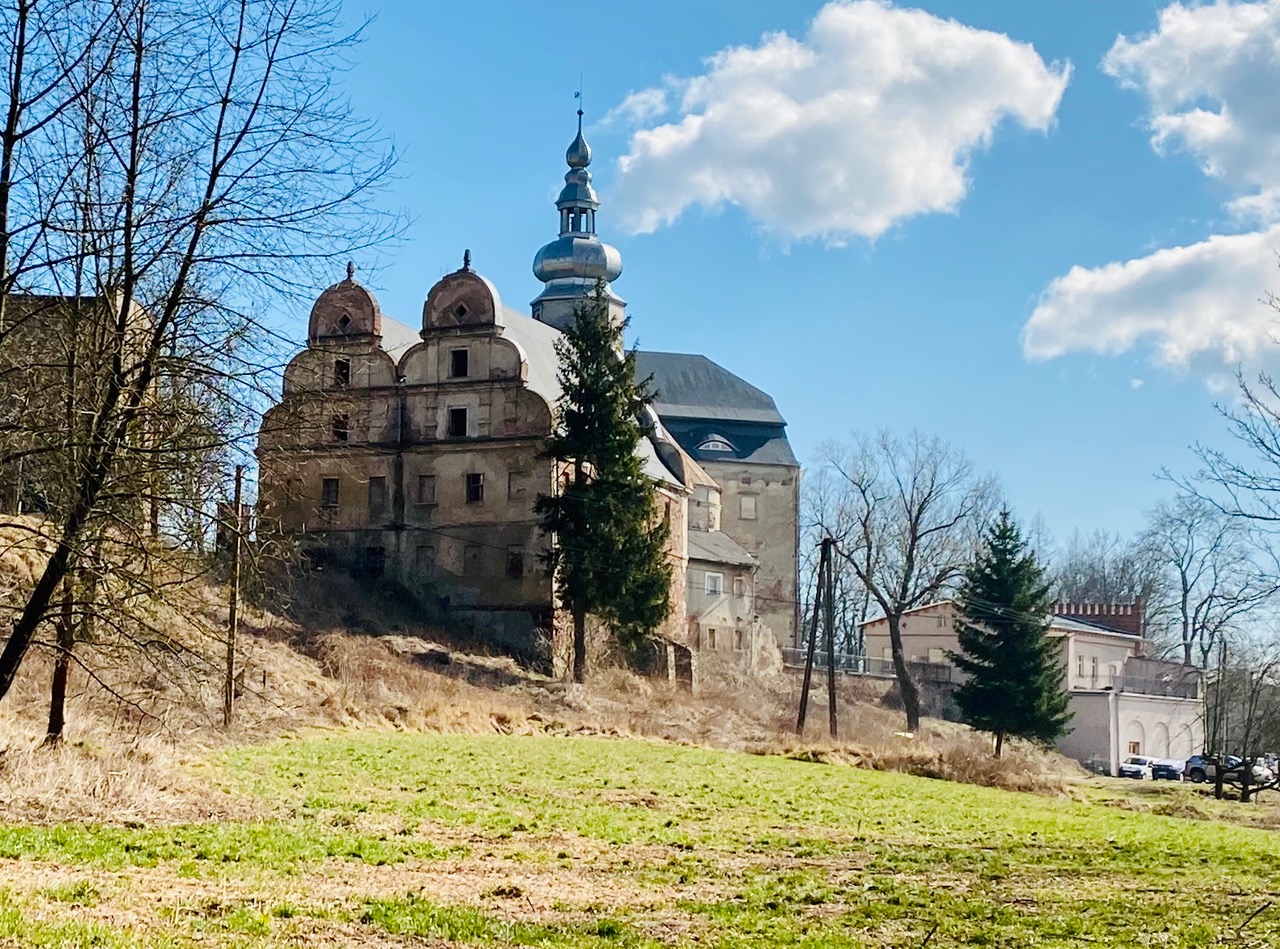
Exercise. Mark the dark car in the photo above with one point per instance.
(1167, 770)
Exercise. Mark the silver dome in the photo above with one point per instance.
(573, 256)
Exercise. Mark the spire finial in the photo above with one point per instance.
(351, 270)
(579, 153)
(466, 259)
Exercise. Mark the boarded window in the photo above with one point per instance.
(426, 489)
(341, 427)
(475, 488)
(342, 373)
(715, 584)
(747, 507)
(377, 496)
(515, 562)
(459, 360)
(329, 492)
(457, 423)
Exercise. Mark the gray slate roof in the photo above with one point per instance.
(718, 547)
(692, 386)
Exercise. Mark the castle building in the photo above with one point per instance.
(415, 453)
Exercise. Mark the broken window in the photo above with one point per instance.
(475, 488)
(458, 363)
(329, 493)
(457, 423)
(342, 373)
(341, 427)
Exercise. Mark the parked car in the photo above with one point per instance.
(1136, 766)
(1200, 768)
(1167, 769)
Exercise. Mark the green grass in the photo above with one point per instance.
(674, 846)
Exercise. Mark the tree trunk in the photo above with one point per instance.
(999, 743)
(66, 640)
(906, 685)
(579, 644)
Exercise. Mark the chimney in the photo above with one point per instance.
(1122, 617)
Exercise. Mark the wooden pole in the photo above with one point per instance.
(829, 617)
(813, 642)
(233, 610)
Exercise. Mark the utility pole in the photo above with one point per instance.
(233, 609)
(824, 609)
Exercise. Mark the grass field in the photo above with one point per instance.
(411, 840)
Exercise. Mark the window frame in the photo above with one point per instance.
(465, 353)
(452, 413)
(342, 427)
(342, 373)
(718, 583)
(474, 490)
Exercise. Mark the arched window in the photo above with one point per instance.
(716, 443)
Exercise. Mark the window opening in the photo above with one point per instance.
(515, 562)
(377, 496)
(475, 488)
(329, 493)
(458, 359)
(457, 423)
(342, 373)
(739, 643)
(739, 587)
(715, 584)
(460, 310)
(344, 323)
(711, 638)
(341, 428)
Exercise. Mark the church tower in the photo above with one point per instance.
(571, 264)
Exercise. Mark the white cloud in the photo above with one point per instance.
(1209, 74)
(638, 108)
(1198, 306)
(868, 120)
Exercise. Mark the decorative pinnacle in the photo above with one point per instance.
(351, 270)
(466, 259)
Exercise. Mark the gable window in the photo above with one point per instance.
(342, 373)
(426, 489)
(515, 562)
(715, 584)
(747, 507)
(341, 427)
(715, 443)
(377, 496)
(457, 423)
(458, 363)
(475, 488)
(329, 493)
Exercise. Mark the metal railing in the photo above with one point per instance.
(851, 664)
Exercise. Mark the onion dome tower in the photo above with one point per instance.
(571, 264)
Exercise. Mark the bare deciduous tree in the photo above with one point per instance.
(906, 517)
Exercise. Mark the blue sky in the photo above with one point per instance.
(873, 211)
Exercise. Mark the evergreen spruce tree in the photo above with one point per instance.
(1015, 673)
(609, 548)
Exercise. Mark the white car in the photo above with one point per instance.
(1137, 766)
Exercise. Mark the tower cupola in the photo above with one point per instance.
(571, 265)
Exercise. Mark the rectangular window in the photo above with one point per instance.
(377, 496)
(458, 363)
(457, 423)
(1080, 666)
(475, 488)
(715, 584)
(375, 561)
(739, 587)
(341, 427)
(342, 373)
(426, 489)
(1093, 667)
(747, 507)
(515, 562)
(711, 639)
(471, 560)
(1135, 747)
(329, 493)
(739, 641)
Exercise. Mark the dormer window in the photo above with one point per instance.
(716, 443)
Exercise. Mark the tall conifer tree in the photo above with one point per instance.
(609, 550)
(1015, 674)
